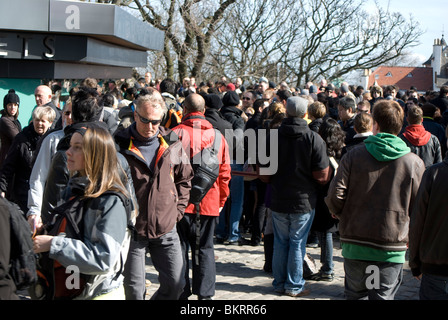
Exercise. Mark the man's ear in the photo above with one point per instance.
(375, 128)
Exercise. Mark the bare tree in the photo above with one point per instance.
(304, 40)
(189, 26)
(339, 37)
(293, 40)
(250, 44)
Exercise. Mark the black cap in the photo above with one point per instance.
(231, 98)
(213, 101)
(11, 97)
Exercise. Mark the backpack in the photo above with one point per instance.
(67, 218)
(206, 170)
(23, 259)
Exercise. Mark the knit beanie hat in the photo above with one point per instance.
(231, 98)
(213, 101)
(11, 97)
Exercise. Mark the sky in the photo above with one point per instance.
(431, 15)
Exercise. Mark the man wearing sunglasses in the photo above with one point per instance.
(161, 173)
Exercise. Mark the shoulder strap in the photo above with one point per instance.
(217, 141)
(127, 205)
(334, 164)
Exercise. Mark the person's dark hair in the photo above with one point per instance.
(348, 104)
(334, 137)
(168, 85)
(389, 115)
(85, 105)
(258, 103)
(429, 110)
(131, 92)
(284, 94)
(107, 100)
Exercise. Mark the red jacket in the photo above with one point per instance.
(197, 134)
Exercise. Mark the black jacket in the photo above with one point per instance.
(301, 152)
(57, 123)
(7, 286)
(236, 146)
(9, 128)
(233, 115)
(315, 124)
(217, 120)
(429, 224)
(441, 102)
(430, 153)
(438, 130)
(353, 143)
(16, 169)
(254, 121)
(349, 129)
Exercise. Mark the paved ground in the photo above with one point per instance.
(240, 276)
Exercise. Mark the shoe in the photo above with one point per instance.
(243, 242)
(205, 298)
(280, 291)
(231, 242)
(312, 245)
(310, 276)
(267, 269)
(219, 240)
(302, 293)
(322, 277)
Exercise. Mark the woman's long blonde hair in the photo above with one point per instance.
(101, 163)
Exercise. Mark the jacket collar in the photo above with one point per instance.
(232, 109)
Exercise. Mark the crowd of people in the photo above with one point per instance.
(104, 176)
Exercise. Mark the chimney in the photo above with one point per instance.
(436, 63)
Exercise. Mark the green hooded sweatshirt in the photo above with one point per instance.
(383, 147)
(386, 146)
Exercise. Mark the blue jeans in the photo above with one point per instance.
(236, 208)
(433, 287)
(290, 235)
(326, 252)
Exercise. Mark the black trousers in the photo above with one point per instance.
(204, 272)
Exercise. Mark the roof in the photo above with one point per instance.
(403, 77)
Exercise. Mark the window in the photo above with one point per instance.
(389, 74)
(410, 75)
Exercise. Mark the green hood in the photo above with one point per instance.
(386, 147)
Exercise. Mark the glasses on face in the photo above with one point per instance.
(245, 98)
(67, 113)
(146, 121)
(361, 110)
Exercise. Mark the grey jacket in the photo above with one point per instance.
(102, 252)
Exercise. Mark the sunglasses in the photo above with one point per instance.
(146, 121)
(245, 98)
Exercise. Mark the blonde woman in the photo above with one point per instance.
(97, 250)
(16, 169)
